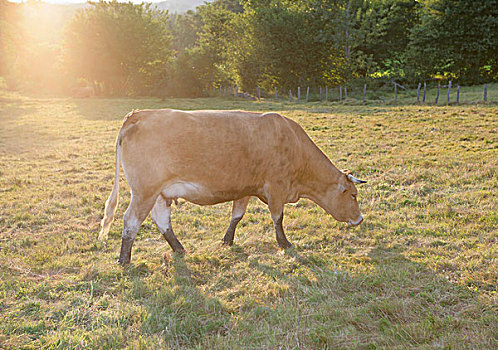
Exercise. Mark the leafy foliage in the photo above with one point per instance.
(381, 36)
(456, 39)
(201, 50)
(123, 47)
(127, 49)
(285, 44)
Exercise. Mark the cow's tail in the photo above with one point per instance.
(112, 201)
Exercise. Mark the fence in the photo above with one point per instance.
(425, 93)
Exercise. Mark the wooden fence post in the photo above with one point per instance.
(326, 94)
(485, 92)
(236, 90)
(425, 88)
(307, 93)
(448, 94)
(458, 94)
(418, 92)
(345, 93)
(290, 96)
(320, 94)
(340, 93)
(438, 88)
(395, 92)
(364, 91)
(259, 94)
(276, 97)
(298, 94)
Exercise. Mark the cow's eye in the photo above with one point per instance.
(354, 196)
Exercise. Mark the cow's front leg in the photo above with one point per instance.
(277, 215)
(161, 215)
(136, 213)
(238, 210)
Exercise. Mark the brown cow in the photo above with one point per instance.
(210, 157)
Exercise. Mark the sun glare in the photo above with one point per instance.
(41, 23)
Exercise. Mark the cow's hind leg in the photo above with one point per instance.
(136, 213)
(161, 215)
(238, 210)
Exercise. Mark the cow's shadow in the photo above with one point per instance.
(176, 308)
(393, 295)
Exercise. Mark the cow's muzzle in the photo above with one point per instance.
(357, 222)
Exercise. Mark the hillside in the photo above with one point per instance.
(172, 6)
(180, 5)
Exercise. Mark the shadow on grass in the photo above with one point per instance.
(19, 136)
(398, 303)
(179, 311)
(11, 113)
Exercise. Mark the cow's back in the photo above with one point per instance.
(231, 153)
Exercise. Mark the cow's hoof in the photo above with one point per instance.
(285, 245)
(102, 237)
(226, 243)
(179, 251)
(123, 261)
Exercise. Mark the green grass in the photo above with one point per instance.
(420, 272)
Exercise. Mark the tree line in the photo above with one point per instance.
(135, 49)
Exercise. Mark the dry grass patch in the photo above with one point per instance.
(421, 272)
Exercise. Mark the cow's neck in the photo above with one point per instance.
(321, 175)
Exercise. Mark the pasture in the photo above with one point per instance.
(420, 272)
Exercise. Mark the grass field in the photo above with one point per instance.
(420, 272)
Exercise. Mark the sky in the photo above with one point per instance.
(82, 1)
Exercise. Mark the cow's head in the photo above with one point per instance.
(341, 198)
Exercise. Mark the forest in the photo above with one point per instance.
(126, 49)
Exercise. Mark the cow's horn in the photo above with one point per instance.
(355, 180)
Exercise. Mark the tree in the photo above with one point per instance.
(286, 44)
(185, 29)
(380, 36)
(456, 38)
(124, 48)
(201, 61)
(10, 43)
(30, 44)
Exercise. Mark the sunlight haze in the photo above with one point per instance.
(62, 2)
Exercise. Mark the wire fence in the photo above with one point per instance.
(432, 93)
